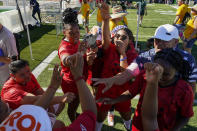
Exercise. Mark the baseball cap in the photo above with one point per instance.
(166, 32)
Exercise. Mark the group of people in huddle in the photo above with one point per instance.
(164, 78)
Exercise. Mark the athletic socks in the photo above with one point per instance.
(99, 125)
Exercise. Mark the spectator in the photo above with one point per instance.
(99, 17)
(117, 17)
(143, 10)
(166, 36)
(85, 10)
(179, 21)
(190, 32)
(36, 9)
(69, 46)
(8, 51)
(115, 57)
(86, 121)
(23, 88)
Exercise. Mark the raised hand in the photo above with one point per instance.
(153, 72)
(108, 82)
(68, 97)
(104, 11)
(83, 47)
(76, 66)
(91, 55)
(56, 78)
(121, 47)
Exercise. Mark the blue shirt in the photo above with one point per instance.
(148, 56)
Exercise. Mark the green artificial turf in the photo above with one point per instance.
(44, 41)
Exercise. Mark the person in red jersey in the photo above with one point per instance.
(69, 46)
(23, 88)
(34, 117)
(115, 57)
(175, 95)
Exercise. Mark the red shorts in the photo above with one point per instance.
(69, 86)
(114, 92)
(85, 122)
(120, 107)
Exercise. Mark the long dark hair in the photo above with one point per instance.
(176, 60)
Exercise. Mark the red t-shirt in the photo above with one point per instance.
(85, 122)
(68, 48)
(173, 101)
(108, 65)
(12, 92)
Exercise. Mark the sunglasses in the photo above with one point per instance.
(121, 37)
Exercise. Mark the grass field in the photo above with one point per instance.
(44, 41)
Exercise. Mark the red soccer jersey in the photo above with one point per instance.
(68, 81)
(173, 101)
(13, 92)
(109, 65)
(85, 122)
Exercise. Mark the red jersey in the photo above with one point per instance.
(109, 65)
(85, 122)
(13, 92)
(173, 101)
(68, 81)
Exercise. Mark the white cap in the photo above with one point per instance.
(166, 32)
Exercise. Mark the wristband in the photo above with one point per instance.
(79, 78)
(123, 59)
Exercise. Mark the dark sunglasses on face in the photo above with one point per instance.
(121, 37)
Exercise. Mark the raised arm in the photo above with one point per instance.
(85, 96)
(105, 25)
(46, 98)
(150, 100)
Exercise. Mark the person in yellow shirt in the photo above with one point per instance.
(85, 10)
(180, 14)
(99, 17)
(190, 32)
(118, 17)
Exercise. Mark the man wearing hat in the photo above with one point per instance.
(190, 32)
(117, 17)
(166, 36)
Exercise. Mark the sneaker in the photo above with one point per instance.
(110, 118)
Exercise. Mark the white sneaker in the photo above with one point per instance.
(110, 118)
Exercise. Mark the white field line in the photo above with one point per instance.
(39, 69)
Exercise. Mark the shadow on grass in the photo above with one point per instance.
(35, 34)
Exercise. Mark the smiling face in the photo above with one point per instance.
(72, 33)
(23, 75)
(168, 73)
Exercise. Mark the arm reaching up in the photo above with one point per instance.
(46, 98)
(86, 99)
(150, 100)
